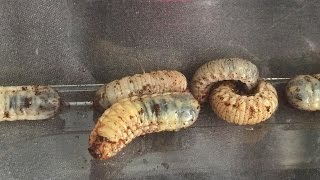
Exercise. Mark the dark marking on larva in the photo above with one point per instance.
(141, 111)
(36, 90)
(268, 108)
(227, 104)
(27, 102)
(156, 109)
(13, 102)
(307, 78)
(6, 114)
(24, 88)
(252, 111)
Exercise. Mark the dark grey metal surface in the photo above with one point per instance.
(93, 41)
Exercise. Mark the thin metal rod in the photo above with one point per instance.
(85, 103)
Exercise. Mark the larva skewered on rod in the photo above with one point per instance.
(303, 92)
(221, 70)
(224, 100)
(28, 102)
(229, 105)
(138, 85)
(135, 116)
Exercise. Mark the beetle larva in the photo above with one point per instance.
(140, 84)
(241, 109)
(136, 116)
(220, 70)
(303, 92)
(28, 102)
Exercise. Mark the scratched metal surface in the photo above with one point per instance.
(95, 41)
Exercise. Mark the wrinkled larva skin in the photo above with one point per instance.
(135, 116)
(220, 70)
(28, 103)
(242, 110)
(138, 85)
(303, 92)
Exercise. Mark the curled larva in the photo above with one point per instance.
(28, 103)
(220, 70)
(229, 105)
(303, 92)
(135, 116)
(138, 85)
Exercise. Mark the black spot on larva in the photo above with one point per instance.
(268, 108)
(141, 111)
(130, 81)
(131, 117)
(6, 114)
(24, 88)
(227, 104)
(118, 83)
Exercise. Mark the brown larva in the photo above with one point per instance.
(135, 116)
(303, 92)
(242, 109)
(140, 84)
(28, 103)
(220, 70)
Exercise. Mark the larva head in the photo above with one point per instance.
(188, 110)
(102, 148)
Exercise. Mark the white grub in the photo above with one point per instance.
(28, 103)
(303, 92)
(138, 85)
(135, 116)
(242, 109)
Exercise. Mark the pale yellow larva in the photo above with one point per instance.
(242, 109)
(28, 103)
(139, 84)
(303, 92)
(135, 116)
(220, 70)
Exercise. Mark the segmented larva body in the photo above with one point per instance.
(136, 116)
(28, 103)
(303, 92)
(220, 70)
(242, 110)
(138, 85)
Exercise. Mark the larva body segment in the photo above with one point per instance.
(136, 116)
(303, 92)
(242, 109)
(138, 85)
(28, 103)
(220, 70)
